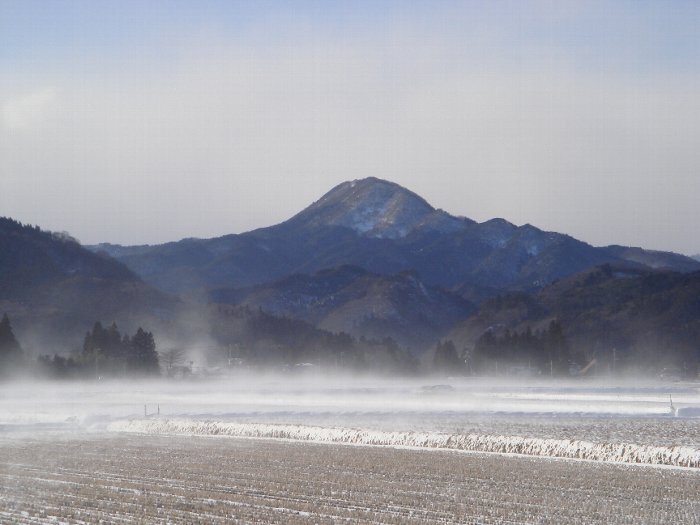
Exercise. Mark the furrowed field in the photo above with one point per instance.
(272, 449)
(153, 479)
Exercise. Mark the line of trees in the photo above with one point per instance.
(546, 351)
(114, 354)
(106, 353)
(271, 341)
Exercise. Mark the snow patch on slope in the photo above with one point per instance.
(366, 218)
(372, 208)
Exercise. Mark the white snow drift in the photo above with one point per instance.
(679, 456)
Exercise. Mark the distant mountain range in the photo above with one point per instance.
(385, 229)
(370, 259)
(54, 290)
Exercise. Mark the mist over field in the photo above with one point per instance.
(526, 408)
(312, 446)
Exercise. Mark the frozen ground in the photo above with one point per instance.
(153, 479)
(146, 451)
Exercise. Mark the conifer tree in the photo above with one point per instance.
(10, 349)
(143, 355)
(113, 354)
(446, 359)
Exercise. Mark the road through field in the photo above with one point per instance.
(161, 479)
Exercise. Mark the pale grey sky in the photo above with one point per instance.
(145, 122)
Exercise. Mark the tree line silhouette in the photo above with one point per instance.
(105, 353)
(108, 353)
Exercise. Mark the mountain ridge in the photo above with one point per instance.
(350, 299)
(386, 229)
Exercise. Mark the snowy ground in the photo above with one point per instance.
(154, 479)
(149, 447)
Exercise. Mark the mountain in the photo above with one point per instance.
(649, 318)
(53, 289)
(696, 257)
(385, 229)
(352, 300)
(357, 223)
(374, 208)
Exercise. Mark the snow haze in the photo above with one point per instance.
(658, 422)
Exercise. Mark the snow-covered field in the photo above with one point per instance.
(64, 433)
(656, 415)
(127, 478)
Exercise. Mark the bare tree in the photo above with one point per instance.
(171, 357)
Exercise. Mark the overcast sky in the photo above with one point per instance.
(145, 122)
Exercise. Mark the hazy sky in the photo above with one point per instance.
(144, 122)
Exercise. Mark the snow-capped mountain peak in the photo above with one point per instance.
(371, 207)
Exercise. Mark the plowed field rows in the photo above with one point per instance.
(151, 479)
